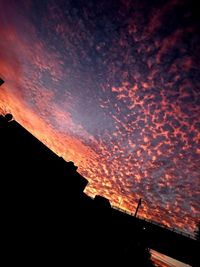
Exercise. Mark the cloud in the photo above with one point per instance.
(123, 106)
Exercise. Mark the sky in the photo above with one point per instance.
(113, 86)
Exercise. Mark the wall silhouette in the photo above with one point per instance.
(48, 219)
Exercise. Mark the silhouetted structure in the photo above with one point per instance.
(1, 81)
(48, 219)
(197, 232)
(138, 205)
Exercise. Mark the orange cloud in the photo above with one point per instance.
(129, 121)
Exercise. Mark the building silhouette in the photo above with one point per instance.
(48, 219)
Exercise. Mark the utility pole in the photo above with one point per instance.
(1, 81)
(139, 204)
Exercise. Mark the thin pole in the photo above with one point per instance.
(139, 204)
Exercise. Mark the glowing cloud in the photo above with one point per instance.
(114, 88)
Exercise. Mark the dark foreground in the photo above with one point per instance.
(47, 219)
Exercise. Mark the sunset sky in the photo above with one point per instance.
(113, 86)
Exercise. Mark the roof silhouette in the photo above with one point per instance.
(47, 217)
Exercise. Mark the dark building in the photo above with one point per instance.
(48, 219)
